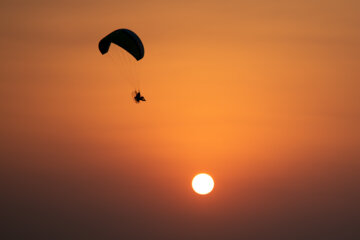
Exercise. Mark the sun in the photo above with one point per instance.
(202, 183)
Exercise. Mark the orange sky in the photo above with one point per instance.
(263, 95)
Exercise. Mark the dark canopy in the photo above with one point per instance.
(126, 39)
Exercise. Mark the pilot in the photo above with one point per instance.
(138, 97)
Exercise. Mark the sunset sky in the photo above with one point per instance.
(262, 95)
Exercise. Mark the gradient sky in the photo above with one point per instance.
(263, 95)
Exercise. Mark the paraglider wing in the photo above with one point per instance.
(126, 39)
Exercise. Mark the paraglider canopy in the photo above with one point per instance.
(126, 39)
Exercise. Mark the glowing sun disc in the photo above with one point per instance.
(202, 183)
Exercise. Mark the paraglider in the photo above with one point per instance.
(130, 42)
(126, 39)
(138, 97)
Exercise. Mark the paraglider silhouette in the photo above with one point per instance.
(138, 97)
(126, 39)
(130, 42)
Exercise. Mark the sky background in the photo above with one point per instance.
(262, 95)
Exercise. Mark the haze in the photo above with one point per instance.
(262, 95)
